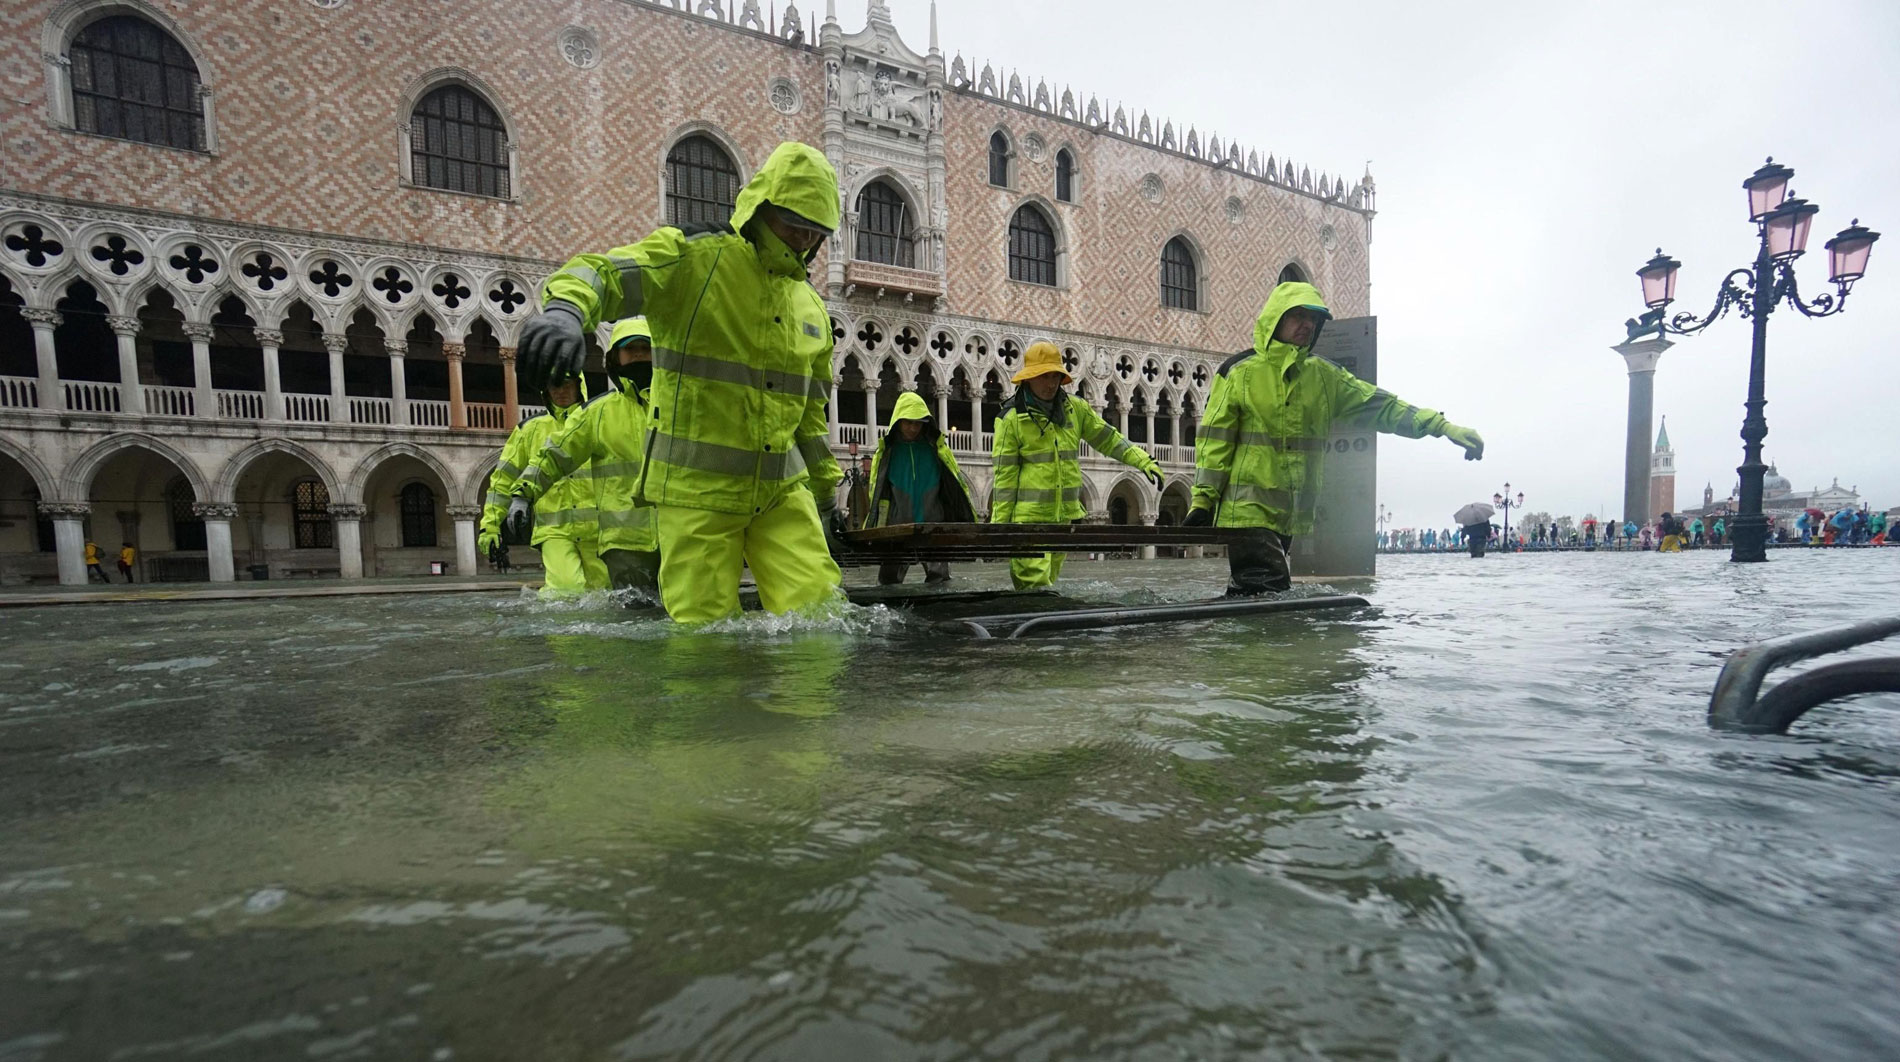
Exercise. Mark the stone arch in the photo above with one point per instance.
(913, 203)
(1137, 492)
(1294, 271)
(65, 23)
(77, 483)
(353, 489)
(475, 486)
(420, 87)
(36, 470)
(224, 488)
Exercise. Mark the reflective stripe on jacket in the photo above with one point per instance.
(1038, 463)
(607, 440)
(567, 511)
(1260, 447)
(741, 346)
(910, 406)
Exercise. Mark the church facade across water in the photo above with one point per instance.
(258, 313)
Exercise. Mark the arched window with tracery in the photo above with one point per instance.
(310, 515)
(884, 226)
(1180, 278)
(1292, 274)
(457, 143)
(133, 81)
(418, 515)
(1065, 176)
(188, 528)
(1032, 247)
(999, 159)
(702, 184)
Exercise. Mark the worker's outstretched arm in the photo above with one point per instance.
(568, 450)
(1109, 442)
(592, 288)
(1365, 407)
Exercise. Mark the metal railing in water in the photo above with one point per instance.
(1739, 704)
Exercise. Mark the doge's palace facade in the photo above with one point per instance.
(262, 265)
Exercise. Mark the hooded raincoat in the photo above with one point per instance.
(605, 439)
(1038, 462)
(567, 510)
(899, 465)
(1259, 448)
(741, 346)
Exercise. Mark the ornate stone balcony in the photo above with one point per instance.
(878, 278)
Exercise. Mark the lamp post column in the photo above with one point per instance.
(1749, 530)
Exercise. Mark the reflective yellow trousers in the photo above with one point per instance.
(571, 567)
(702, 554)
(1028, 573)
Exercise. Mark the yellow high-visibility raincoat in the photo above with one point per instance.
(1260, 446)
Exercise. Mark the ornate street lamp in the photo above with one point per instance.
(1782, 222)
(1504, 501)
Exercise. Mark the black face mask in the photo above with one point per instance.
(639, 373)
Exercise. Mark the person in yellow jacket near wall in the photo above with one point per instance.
(1259, 447)
(738, 459)
(1037, 454)
(607, 439)
(915, 480)
(564, 529)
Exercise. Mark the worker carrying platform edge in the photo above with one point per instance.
(1259, 447)
(738, 464)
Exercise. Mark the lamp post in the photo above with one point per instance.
(1504, 501)
(1782, 222)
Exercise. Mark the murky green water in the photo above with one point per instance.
(1485, 821)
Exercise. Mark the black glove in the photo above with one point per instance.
(1154, 478)
(833, 520)
(518, 526)
(1199, 518)
(551, 344)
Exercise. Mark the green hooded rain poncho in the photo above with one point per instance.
(741, 345)
(1259, 449)
(904, 475)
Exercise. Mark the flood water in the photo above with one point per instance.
(1484, 820)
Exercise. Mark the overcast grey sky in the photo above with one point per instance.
(1530, 156)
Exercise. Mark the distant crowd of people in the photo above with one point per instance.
(1670, 533)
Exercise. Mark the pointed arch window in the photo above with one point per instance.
(884, 226)
(999, 159)
(1180, 277)
(1032, 247)
(1292, 274)
(188, 528)
(133, 81)
(702, 184)
(418, 515)
(457, 143)
(310, 515)
(1065, 176)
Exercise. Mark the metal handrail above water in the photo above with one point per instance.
(1018, 624)
(1739, 704)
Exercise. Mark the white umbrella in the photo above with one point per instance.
(1475, 513)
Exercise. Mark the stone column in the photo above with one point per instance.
(510, 391)
(51, 397)
(204, 403)
(131, 392)
(69, 537)
(831, 411)
(458, 406)
(1149, 442)
(349, 538)
(398, 381)
(1641, 357)
(1121, 421)
(943, 411)
(465, 517)
(271, 339)
(870, 414)
(217, 517)
(339, 399)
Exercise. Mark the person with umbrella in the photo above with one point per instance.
(1476, 521)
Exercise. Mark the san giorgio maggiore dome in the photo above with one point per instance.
(263, 266)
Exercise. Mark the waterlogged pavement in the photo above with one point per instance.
(1485, 819)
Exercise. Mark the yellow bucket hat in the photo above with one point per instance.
(1040, 358)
